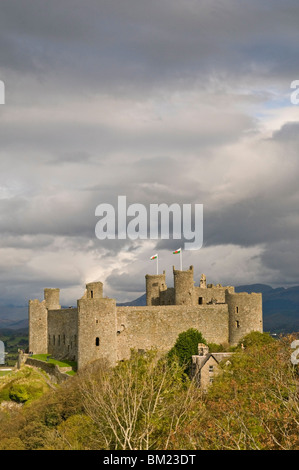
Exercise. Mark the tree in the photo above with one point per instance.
(256, 338)
(185, 347)
(140, 404)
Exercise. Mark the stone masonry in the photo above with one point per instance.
(97, 328)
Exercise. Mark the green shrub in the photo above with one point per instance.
(213, 347)
(186, 346)
(18, 393)
(255, 338)
(4, 394)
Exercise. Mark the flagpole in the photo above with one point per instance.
(181, 260)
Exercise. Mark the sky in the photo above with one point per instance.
(169, 101)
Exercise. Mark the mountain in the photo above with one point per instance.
(139, 302)
(13, 324)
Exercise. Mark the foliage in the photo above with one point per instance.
(11, 443)
(18, 393)
(256, 338)
(147, 402)
(78, 432)
(185, 347)
(254, 403)
(140, 403)
(24, 385)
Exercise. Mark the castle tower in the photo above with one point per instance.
(51, 297)
(38, 327)
(94, 290)
(154, 284)
(183, 286)
(245, 314)
(203, 282)
(38, 320)
(97, 326)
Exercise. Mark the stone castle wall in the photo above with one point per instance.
(159, 326)
(211, 294)
(38, 327)
(63, 333)
(98, 329)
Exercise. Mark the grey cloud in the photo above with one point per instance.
(159, 101)
(132, 44)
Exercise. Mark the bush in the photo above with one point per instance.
(18, 393)
(213, 347)
(11, 443)
(255, 338)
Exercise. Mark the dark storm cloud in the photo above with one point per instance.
(130, 43)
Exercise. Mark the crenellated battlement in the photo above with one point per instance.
(98, 329)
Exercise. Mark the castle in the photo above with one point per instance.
(98, 328)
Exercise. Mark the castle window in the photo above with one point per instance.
(97, 341)
(49, 339)
(237, 309)
(58, 340)
(211, 368)
(54, 340)
(63, 339)
(97, 321)
(91, 294)
(199, 300)
(237, 324)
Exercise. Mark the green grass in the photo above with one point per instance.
(71, 372)
(43, 357)
(4, 372)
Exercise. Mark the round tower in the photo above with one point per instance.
(94, 290)
(154, 284)
(51, 297)
(245, 314)
(183, 286)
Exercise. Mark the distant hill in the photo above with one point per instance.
(280, 308)
(13, 324)
(139, 302)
